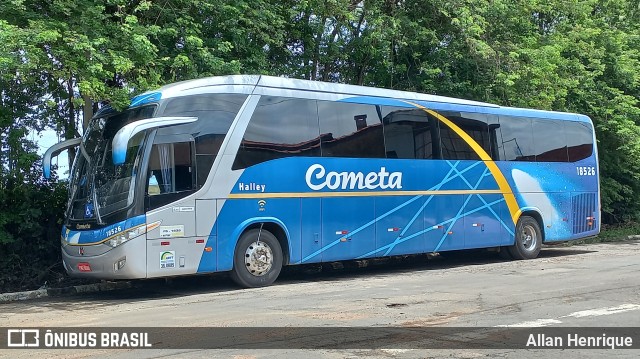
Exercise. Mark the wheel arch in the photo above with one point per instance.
(535, 213)
(271, 224)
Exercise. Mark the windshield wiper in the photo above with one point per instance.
(84, 153)
(96, 205)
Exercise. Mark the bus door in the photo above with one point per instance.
(172, 247)
(311, 230)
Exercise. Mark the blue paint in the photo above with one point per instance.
(209, 260)
(95, 236)
(424, 221)
(145, 98)
(283, 212)
(47, 170)
(417, 216)
(119, 156)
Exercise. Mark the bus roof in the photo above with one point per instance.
(264, 81)
(302, 85)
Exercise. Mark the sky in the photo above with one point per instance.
(47, 139)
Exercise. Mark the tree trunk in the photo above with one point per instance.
(87, 111)
(70, 130)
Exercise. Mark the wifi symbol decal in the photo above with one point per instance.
(261, 204)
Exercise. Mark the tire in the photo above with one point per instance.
(528, 239)
(256, 261)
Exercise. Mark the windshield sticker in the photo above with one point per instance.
(172, 231)
(183, 209)
(88, 210)
(167, 259)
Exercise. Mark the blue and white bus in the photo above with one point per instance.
(250, 173)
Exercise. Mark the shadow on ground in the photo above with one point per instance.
(143, 290)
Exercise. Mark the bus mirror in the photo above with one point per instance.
(122, 137)
(54, 151)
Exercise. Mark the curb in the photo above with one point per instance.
(66, 291)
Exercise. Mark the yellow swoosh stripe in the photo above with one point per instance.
(512, 204)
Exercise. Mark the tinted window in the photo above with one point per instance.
(280, 127)
(170, 168)
(408, 134)
(350, 130)
(517, 138)
(579, 140)
(215, 114)
(170, 174)
(455, 147)
(494, 137)
(550, 143)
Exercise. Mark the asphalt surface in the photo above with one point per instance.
(594, 285)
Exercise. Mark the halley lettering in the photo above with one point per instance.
(251, 187)
(317, 178)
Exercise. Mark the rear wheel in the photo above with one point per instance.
(257, 260)
(528, 239)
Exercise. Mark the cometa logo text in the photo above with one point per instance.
(318, 178)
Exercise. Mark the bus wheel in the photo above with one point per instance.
(257, 260)
(528, 239)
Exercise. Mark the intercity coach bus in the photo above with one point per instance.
(250, 173)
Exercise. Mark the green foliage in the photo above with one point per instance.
(30, 234)
(31, 212)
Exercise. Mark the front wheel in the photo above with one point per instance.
(528, 239)
(257, 260)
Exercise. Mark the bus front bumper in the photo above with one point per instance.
(127, 261)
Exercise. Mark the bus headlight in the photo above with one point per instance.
(126, 235)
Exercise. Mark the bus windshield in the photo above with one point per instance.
(98, 187)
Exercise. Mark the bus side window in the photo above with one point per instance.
(171, 174)
(579, 140)
(215, 113)
(494, 136)
(454, 147)
(408, 134)
(350, 130)
(550, 141)
(170, 168)
(280, 127)
(517, 138)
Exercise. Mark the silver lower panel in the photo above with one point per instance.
(103, 265)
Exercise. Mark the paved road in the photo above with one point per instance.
(589, 285)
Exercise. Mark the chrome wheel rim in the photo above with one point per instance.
(258, 258)
(529, 237)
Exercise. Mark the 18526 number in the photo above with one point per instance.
(586, 171)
